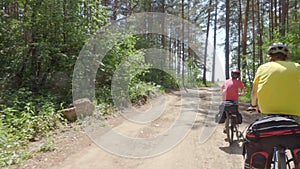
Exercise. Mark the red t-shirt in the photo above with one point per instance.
(231, 89)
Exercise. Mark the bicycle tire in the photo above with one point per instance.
(232, 128)
(231, 134)
(237, 132)
(227, 121)
(229, 129)
(281, 159)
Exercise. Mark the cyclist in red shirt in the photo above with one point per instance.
(231, 88)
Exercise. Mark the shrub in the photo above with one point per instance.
(23, 119)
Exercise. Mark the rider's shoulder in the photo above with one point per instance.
(265, 65)
(292, 64)
(279, 64)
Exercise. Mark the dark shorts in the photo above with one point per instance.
(232, 101)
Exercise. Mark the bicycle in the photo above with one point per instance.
(231, 125)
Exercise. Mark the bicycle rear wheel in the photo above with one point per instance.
(230, 129)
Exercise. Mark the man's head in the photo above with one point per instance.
(278, 51)
(235, 73)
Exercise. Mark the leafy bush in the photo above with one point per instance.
(48, 145)
(142, 89)
(24, 118)
(105, 108)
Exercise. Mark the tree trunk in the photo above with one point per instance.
(163, 37)
(271, 19)
(227, 39)
(244, 38)
(260, 32)
(253, 38)
(215, 42)
(206, 43)
(283, 17)
(182, 43)
(239, 35)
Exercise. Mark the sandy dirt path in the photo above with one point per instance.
(195, 151)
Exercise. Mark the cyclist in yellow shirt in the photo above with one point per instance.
(276, 85)
(276, 89)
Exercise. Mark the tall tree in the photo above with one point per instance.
(215, 41)
(206, 42)
(227, 28)
(254, 36)
(244, 37)
(182, 43)
(260, 31)
(284, 16)
(239, 34)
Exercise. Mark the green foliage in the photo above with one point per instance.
(119, 65)
(39, 45)
(291, 39)
(246, 98)
(105, 108)
(208, 84)
(156, 76)
(24, 118)
(49, 145)
(248, 89)
(40, 42)
(142, 89)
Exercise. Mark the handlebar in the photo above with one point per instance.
(251, 110)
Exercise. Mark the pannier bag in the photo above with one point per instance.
(239, 118)
(266, 133)
(296, 156)
(233, 108)
(220, 117)
(270, 126)
(259, 160)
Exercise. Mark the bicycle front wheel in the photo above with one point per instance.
(281, 159)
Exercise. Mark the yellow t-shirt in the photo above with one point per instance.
(278, 88)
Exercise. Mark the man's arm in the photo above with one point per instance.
(254, 94)
(254, 97)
